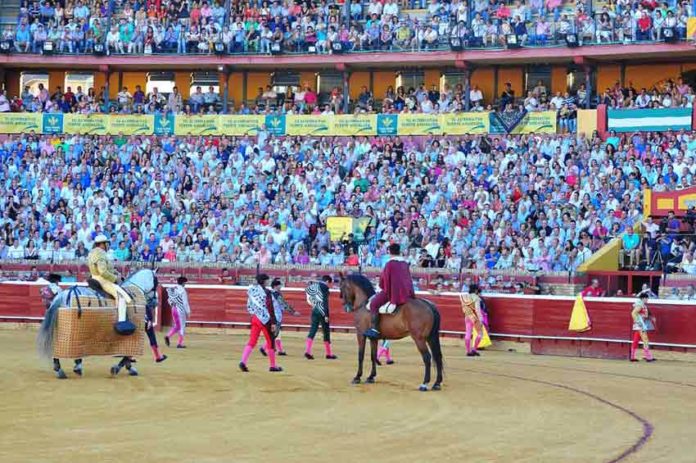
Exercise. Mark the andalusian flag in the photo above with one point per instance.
(485, 339)
(579, 319)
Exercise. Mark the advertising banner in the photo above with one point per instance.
(20, 122)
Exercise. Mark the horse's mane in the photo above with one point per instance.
(362, 282)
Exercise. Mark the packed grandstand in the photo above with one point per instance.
(495, 195)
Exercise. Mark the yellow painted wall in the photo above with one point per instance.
(309, 78)
(100, 81)
(485, 79)
(183, 81)
(12, 83)
(514, 75)
(256, 80)
(235, 87)
(559, 79)
(587, 121)
(55, 79)
(381, 81)
(356, 82)
(607, 75)
(431, 77)
(131, 79)
(650, 74)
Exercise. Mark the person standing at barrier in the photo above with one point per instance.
(260, 307)
(280, 305)
(318, 299)
(102, 270)
(178, 301)
(642, 323)
(471, 306)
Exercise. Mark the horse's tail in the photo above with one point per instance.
(434, 337)
(44, 341)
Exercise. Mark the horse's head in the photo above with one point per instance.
(356, 289)
(146, 280)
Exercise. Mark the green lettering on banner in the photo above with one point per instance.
(20, 122)
(133, 124)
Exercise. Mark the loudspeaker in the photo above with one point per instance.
(49, 47)
(456, 44)
(512, 41)
(572, 40)
(99, 49)
(219, 48)
(275, 49)
(6, 47)
(337, 48)
(669, 34)
(311, 49)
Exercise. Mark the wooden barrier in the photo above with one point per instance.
(539, 320)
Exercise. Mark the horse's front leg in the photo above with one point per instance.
(373, 357)
(361, 357)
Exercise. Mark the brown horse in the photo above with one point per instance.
(418, 318)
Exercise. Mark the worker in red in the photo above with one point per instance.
(594, 290)
(396, 284)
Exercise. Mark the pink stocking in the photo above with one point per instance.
(272, 357)
(279, 345)
(308, 346)
(387, 351)
(327, 347)
(246, 353)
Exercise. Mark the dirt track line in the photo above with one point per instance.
(601, 373)
(648, 427)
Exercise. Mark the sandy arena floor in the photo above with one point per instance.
(197, 407)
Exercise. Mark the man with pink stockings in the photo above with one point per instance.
(642, 323)
(178, 300)
(385, 351)
(318, 298)
(471, 306)
(260, 307)
(280, 305)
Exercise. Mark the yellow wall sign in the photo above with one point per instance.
(196, 125)
(94, 124)
(537, 122)
(419, 124)
(307, 125)
(240, 125)
(357, 125)
(465, 123)
(339, 226)
(20, 122)
(134, 124)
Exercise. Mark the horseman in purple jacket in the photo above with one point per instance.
(396, 285)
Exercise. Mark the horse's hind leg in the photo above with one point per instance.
(60, 374)
(373, 357)
(77, 369)
(425, 354)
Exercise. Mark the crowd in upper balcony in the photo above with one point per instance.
(325, 26)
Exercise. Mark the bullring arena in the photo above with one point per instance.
(507, 405)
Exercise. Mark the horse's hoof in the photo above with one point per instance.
(423, 388)
(437, 387)
(132, 371)
(370, 380)
(356, 381)
(60, 374)
(78, 370)
(115, 370)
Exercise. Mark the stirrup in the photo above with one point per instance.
(125, 328)
(372, 334)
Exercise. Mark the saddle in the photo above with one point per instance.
(386, 309)
(95, 286)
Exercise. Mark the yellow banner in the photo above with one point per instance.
(587, 122)
(21, 122)
(465, 123)
(537, 122)
(133, 124)
(240, 125)
(94, 124)
(349, 126)
(307, 125)
(196, 125)
(338, 227)
(419, 124)
(690, 28)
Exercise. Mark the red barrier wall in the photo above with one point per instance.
(540, 320)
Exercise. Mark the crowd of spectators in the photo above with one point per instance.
(523, 202)
(669, 94)
(191, 26)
